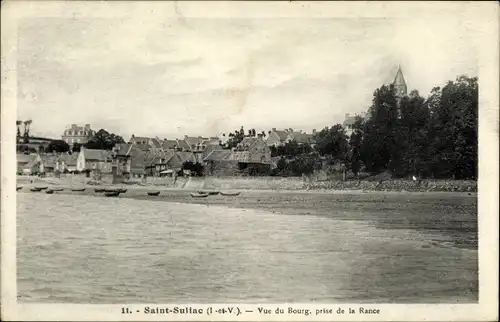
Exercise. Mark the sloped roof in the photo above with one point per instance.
(98, 155)
(143, 147)
(140, 139)
(183, 145)
(68, 159)
(218, 155)
(248, 157)
(25, 158)
(282, 135)
(169, 144)
(208, 149)
(211, 141)
(138, 160)
(247, 143)
(301, 137)
(49, 160)
(186, 156)
(164, 155)
(399, 80)
(175, 162)
(123, 148)
(192, 141)
(156, 143)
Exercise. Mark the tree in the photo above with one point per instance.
(18, 125)
(378, 148)
(58, 146)
(104, 140)
(76, 147)
(453, 129)
(353, 160)
(332, 141)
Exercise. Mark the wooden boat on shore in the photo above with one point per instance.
(41, 188)
(18, 188)
(99, 190)
(230, 194)
(122, 190)
(35, 189)
(78, 189)
(153, 193)
(199, 195)
(210, 193)
(57, 189)
(112, 193)
(49, 192)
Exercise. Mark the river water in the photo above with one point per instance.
(83, 249)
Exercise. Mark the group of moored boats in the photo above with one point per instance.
(117, 192)
(204, 194)
(49, 191)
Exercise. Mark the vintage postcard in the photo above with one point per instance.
(270, 161)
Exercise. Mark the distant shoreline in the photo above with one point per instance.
(324, 188)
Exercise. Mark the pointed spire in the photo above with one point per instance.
(400, 84)
(399, 80)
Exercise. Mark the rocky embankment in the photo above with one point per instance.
(395, 185)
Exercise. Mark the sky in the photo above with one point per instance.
(173, 76)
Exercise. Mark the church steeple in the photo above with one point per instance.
(400, 84)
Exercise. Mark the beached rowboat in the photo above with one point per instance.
(122, 190)
(155, 193)
(18, 188)
(49, 192)
(112, 193)
(230, 194)
(41, 188)
(199, 195)
(211, 193)
(57, 189)
(35, 189)
(99, 190)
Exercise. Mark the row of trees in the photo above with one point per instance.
(426, 137)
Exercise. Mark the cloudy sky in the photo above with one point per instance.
(170, 76)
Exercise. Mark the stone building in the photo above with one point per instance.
(77, 134)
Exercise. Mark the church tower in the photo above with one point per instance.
(400, 84)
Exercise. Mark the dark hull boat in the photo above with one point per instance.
(57, 189)
(35, 189)
(210, 193)
(156, 193)
(122, 190)
(230, 194)
(18, 188)
(112, 193)
(41, 188)
(81, 189)
(100, 190)
(49, 192)
(199, 195)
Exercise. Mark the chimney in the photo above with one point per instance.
(87, 126)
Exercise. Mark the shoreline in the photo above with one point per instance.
(275, 186)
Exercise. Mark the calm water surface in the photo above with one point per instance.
(83, 249)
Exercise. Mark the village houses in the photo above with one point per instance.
(278, 138)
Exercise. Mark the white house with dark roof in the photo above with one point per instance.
(93, 159)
